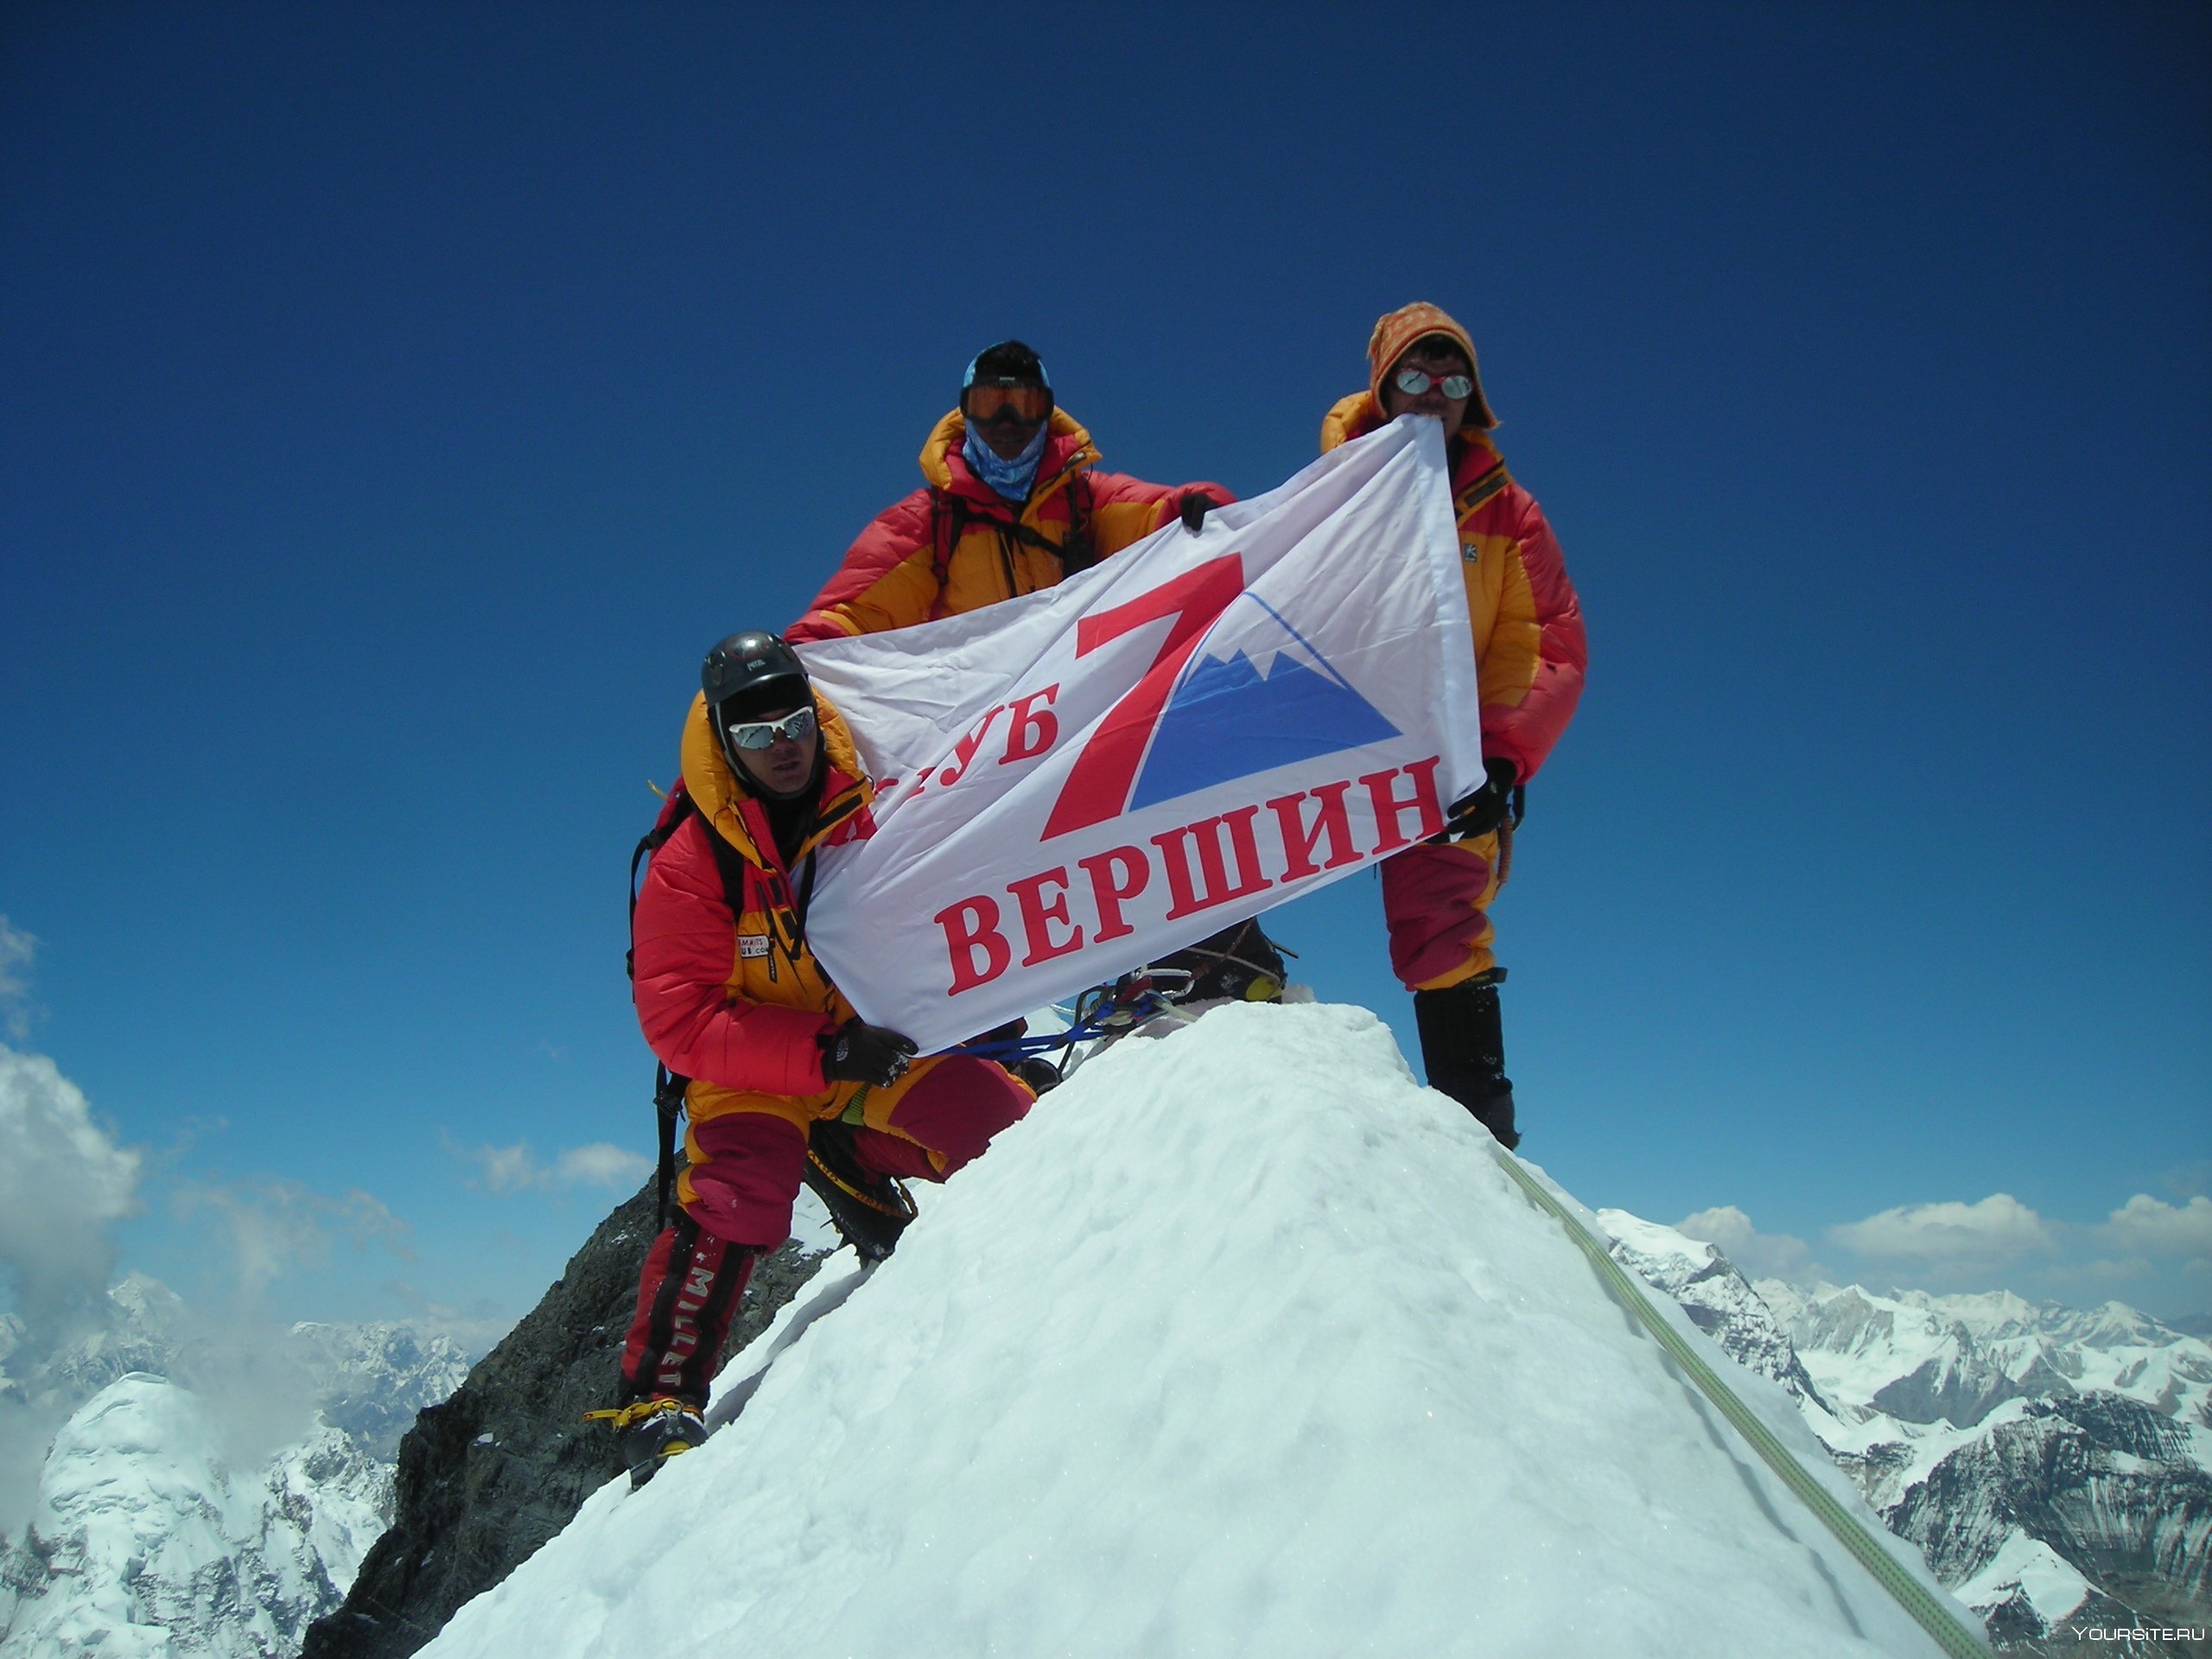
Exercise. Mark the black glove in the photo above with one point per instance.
(1481, 811)
(859, 1052)
(1194, 511)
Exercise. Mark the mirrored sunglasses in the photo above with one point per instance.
(1414, 382)
(794, 727)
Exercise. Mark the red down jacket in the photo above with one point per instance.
(956, 545)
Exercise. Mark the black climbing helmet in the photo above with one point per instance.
(751, 672)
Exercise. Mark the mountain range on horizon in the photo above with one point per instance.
(2051, 1462)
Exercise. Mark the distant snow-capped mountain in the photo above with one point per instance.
(371, 1379)
(2053, 1463)
(146, 1328)
(1922, 1359)
(156, 1531)
(146, 1540)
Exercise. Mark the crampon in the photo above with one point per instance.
(869, 1211)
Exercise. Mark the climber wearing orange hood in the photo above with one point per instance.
(1529, 658)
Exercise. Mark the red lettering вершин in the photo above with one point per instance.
(1428, 810)
(972, 925)
(978, 950)
(1298, 844)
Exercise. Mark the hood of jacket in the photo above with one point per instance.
(732, 809)
(1068, 450)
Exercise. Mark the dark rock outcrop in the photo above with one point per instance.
(503, 1464)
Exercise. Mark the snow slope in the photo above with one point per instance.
(1242, 1343)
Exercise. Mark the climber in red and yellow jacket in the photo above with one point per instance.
(1014, 501)
(786, 1083)
(1529, 658)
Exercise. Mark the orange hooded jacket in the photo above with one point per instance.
(1530, 651)
(957, 545)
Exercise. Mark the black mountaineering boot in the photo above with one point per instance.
(870, 1210)
(1241, 962)
(652, 1431)
(1463, 1049)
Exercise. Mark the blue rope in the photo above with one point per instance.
(1082, 1029)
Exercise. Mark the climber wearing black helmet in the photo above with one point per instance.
(731, 998)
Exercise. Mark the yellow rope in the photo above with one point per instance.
(1955, 1640)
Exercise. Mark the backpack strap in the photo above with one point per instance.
(678, 806)
(668, 1103)
(668, 1087)
(950, 516)
(1078, 552)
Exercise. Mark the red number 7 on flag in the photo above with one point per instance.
(1099, 782)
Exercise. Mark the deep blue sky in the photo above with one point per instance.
(398, 400)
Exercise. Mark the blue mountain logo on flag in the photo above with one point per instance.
(1254, 696)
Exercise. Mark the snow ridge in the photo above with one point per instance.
(1242, 1343)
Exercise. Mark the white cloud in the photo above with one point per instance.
(244, 1364)
(276, 1227)
(602, 1165)
(504, 1169)
(16, 950)
(2152, 1254)
(64, 1183)
(1757, 1255)
(517, 1169)
(1998, 1231)
(2149, 1226)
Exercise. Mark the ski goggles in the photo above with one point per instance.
(1414, 382)
(1028, 401)
(757, 735)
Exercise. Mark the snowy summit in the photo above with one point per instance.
(1243, 1343)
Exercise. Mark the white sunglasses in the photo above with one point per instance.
(1414, 382)
(794, 727)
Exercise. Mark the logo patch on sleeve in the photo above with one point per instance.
(752, 944)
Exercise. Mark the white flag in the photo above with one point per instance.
(1192, 732)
